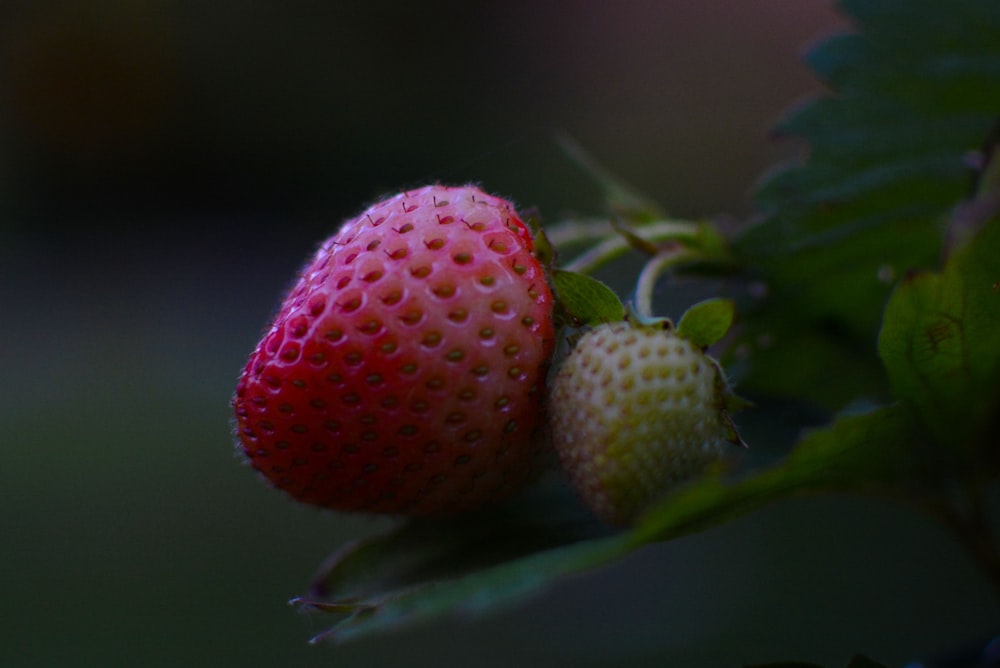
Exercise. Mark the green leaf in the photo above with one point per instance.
(707, 322)
(914, 95)
(478, 565)
(857, 453)
(422, 570)
(418, 551)
(586, 299)
(940, 341)
(809, 364)
(476, 593)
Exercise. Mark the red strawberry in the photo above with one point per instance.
(404, 371)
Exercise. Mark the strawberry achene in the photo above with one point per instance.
(404, 371)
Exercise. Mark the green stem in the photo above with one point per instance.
(650, 276)
(612, 243)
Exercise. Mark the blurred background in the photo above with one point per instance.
(167, 165)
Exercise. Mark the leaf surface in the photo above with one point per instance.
(891, 151)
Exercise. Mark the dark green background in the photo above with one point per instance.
(165, 167)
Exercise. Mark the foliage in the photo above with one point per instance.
(872, 272)
(890, 155)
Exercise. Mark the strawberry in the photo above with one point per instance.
(404, 371)
(636, 409)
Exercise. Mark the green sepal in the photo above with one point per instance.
(544, 251)
(586, 300)
(707, 322)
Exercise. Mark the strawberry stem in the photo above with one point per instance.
(668, 257)
(611, 243)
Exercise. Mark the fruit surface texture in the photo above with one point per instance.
(635, 410)
(404, 372)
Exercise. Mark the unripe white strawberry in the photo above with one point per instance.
(636, 409)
